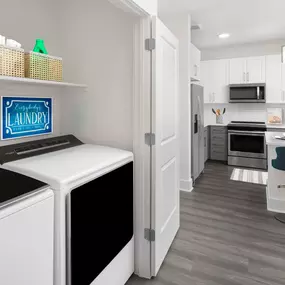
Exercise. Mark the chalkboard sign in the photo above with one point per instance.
(24, 117)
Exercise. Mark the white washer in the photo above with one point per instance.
(26, 230)
(93, 188)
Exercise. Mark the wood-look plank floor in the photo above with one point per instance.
(227, 237)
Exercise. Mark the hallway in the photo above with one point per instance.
(227, 237)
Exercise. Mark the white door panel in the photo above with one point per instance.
(165, 153)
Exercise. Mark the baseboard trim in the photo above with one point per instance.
(186, 185)
(276, 206)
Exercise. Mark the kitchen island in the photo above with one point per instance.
(275, 190)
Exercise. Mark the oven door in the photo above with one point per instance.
(247, 144)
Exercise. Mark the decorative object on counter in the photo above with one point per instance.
(40, 46)
(275, 116)
(249, 176)
(43, 67)
(219, 115)
(280, 137)
(23, 117)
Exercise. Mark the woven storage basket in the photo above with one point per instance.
(12, 62)
(43, 67)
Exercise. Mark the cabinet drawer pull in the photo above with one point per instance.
(281, 186)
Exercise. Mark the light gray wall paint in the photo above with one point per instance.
(96, 41)
(25, 22)
(246, 50)
(98, 50)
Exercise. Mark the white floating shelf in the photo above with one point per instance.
(8, 79)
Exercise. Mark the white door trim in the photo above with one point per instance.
(142, 125)
(130, 7)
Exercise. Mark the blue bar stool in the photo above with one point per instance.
(279, 164)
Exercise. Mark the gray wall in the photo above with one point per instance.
(245, 50)
(25, 22)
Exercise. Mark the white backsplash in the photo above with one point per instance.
(239, 112)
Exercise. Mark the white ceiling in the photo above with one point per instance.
(248, 21)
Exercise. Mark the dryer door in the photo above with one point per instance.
(100, 224)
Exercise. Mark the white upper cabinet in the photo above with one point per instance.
(237, 71)
(205, 81)
(195, 63)
(255, 69)
(282, 81)
(215, 79)
(274, 87)
(247, 70)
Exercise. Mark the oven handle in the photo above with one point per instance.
(246, 132)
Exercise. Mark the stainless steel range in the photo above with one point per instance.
(247, 145)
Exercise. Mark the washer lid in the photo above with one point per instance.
(14, 185)
(71, 167)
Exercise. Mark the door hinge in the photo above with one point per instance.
(150, 44)
(150, 139)
(149, 234)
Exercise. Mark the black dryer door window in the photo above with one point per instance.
(101, 213)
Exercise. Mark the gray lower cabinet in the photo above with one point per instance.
(206, 143)
(219, 143)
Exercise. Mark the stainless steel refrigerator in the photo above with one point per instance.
(197, 134)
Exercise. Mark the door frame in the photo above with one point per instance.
(142, 151)
(142, 90)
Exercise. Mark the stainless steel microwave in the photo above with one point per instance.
(247, 93)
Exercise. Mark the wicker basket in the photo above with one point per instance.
(12, 62)
(43, 67)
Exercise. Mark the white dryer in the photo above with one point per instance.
(93, 188)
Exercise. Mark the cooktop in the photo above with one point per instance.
(247, 122)
(247, 126)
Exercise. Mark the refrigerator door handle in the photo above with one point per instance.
(199, 116)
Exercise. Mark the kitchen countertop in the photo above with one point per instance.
(275, 126)
(268, 126)
(217, 125)
(270, 140)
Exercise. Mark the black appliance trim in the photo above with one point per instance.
(37, 147)
(247, 128)
(14, 185)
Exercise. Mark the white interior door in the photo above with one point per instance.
(165, 153)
